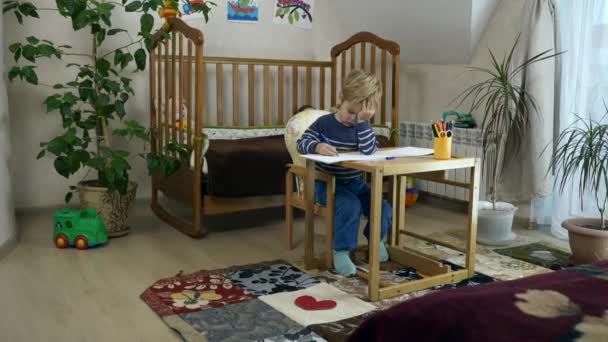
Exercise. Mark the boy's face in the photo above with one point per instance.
(348, 112)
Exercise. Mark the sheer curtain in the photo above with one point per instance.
(583, 26)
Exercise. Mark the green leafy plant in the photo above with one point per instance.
(581, 155)
(506, 106)
(97, 94)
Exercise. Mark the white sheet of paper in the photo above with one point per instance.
(408, 151)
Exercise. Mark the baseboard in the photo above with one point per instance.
(7, 246)
(458, 203)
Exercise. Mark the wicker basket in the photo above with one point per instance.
(113, 208)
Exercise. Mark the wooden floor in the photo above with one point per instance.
(48, 294)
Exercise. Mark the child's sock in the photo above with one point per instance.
(342, 263)
(383, 252)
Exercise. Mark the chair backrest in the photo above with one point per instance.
(296, 126)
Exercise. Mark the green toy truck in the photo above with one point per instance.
(78, 228)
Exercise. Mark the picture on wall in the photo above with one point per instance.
(298, 13)
(245, 11)
(195, 9)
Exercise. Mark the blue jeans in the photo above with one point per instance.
(353, 199)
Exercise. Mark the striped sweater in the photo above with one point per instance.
(360, 137)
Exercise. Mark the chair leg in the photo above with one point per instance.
(289, 210)
(329, 239)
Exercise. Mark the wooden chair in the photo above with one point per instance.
(296, 126)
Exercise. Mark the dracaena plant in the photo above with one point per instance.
(506, 106)
(581, 156)
(95, 96)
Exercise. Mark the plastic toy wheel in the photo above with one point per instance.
(81, 242)
(61, 241)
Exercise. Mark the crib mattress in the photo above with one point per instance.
(247, 167)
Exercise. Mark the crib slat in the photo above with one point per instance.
(353, 57)
(362, 56)
(281, 95)
(219, 87)
(173, 92)
(372, 60)
(204, 98)
(159, 100)
(167, 93)
(333, 81)
(181, 89)
(294, 89)
(235, 95)
(308, 85)
(154, 111)
(342, 70)
(198, 127)
(189, 95)
(372, 70)
(383, 75)
(251, 95)
(322, 88)
(395, 91)
(266, 95)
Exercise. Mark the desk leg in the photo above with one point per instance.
(309, 218)
(472, 220)
(400, 217)
(393, 235)
(375, 218)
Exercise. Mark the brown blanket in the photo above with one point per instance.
(247, 167)
(568, 305)
(250, 167)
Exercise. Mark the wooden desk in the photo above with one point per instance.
(434, 272)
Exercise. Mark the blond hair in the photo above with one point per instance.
(361, 87)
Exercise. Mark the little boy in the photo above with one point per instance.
(348, 129)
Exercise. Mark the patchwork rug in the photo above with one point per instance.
(256, 302)
(538, 253)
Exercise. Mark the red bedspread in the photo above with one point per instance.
(568, 305)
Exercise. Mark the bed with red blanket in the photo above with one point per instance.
(567, 305)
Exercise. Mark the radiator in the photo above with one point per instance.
(465, 142)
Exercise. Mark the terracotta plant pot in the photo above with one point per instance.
(588, 245)
(113, 208)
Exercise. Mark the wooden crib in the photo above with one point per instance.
(182, 105)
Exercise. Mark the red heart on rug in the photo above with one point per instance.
(310, 303)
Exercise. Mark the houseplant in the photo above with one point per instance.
(95, 98)
(581, 156)
(506, 108)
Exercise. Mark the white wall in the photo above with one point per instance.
(426, 89)
(429, 31)
(7, 218)
(481, 13)
(429, 89)
(39, 184)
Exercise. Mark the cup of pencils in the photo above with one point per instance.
(442, 139)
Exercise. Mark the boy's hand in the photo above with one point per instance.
(326, 150)
(367, 112)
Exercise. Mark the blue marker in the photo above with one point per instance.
(390, 158)
(326, 141)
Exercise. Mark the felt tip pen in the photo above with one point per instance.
(326, 141)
